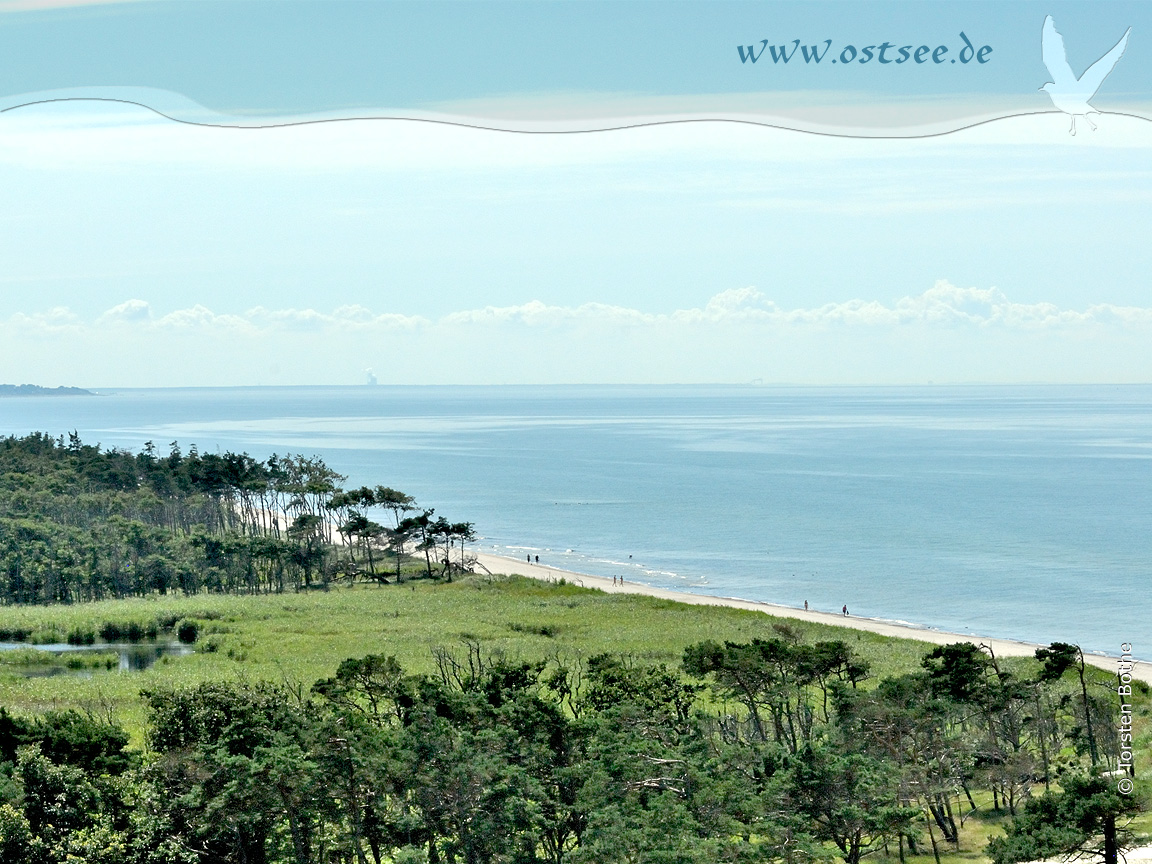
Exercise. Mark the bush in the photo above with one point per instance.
(546, 630)
(128, 631)
(81, 636)
(18, 845)
(70, 738)
(187, 631)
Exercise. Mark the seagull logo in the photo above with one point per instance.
(1067, 92)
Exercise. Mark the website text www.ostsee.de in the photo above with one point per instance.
(883, 54)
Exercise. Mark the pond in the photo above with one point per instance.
(133, 656)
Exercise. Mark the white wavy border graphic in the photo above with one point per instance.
(179, 109)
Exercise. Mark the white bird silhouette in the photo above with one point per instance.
(1067, 92)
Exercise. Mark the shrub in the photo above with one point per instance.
(546, 630)
(128, 631)
(187, 631)
(110, 631)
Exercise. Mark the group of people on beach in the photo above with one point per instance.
(616, 580)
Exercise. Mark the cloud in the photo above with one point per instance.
(537, 314)
(201, 318)
(946, 333)
(943, 305)
(130, 311)
(56, 318)
(138, 314)
(343, 318)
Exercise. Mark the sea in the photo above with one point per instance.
(1021, 512)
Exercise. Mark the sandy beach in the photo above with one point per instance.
(1002, 647)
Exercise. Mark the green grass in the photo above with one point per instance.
(303, 637)
(300, 638)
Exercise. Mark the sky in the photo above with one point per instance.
(140, 251)
(268, 57)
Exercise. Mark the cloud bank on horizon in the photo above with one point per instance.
(942, 304)
(946, 334)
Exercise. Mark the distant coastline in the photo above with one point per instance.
(36, 390)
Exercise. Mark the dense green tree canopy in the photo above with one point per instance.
(78, 522)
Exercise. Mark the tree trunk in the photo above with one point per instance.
(1111, 853)
(949, 831)
(968, 795)
(932, 837)
(1087, 713)
(300, 845)
(1043, 745)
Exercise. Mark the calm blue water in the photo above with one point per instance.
(1022, 512)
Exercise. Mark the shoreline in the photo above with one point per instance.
(1002, 647)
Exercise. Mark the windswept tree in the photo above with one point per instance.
(1089, 817)
(920, 736)
(775, 680)
(307, 531)
(395, 502)
(1057, 659)
(462, 533)
(845, 798)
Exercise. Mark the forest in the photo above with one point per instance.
(81, 523)
(774, 747)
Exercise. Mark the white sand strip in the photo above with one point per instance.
(1002, 647)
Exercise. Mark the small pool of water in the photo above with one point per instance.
(134, 656)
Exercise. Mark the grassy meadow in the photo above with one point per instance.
(302, 637)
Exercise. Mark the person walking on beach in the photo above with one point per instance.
(537, 559)
(529, 557)
(845, 609)
(805, 605)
